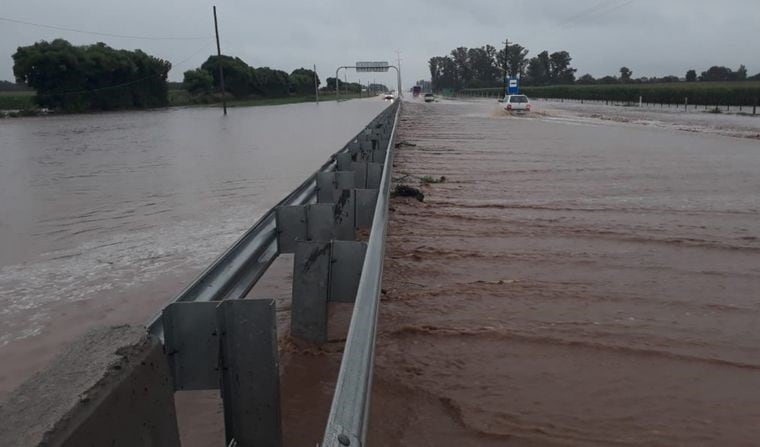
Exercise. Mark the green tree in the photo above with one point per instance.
(198, 81)
(482, 67)
(515, 61)
(91, 77)
(625, 74)
(239, 78)
(561, 72)
(539, 69)
(717, 73)
(272, 82)
(302, 81)
(741, 73)
(691, 76)
(331, 84)
(444, 73)
(462, 63)
(586, 79)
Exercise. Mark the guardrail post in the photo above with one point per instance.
(292, 226)
(316, 222)
(250, 372)
(330, 185)
(322, 272)
(365, 200)
(346, 259)
(232, 346)
(191, 343)
(311, 270)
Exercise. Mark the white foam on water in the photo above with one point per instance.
(117, 262)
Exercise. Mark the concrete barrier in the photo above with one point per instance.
(111, 387)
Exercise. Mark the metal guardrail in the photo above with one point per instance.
(349, 413)
(216, 339)
(233, 274)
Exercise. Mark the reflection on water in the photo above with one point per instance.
(92, 205)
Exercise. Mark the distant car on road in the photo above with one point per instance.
(516, 103)
(429, 97)
(388, 96)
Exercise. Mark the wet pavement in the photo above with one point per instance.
(573, 281)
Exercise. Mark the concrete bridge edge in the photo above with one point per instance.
(110, 387)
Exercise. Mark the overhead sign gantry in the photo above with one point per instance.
(368, 67)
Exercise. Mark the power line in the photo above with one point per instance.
(96, 33)
(598, 10)
(602, 4)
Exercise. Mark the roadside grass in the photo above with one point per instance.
(183, 98)
(744, 93)
(17, 101)
(24, 101)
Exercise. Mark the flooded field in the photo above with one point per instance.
(696, 119)
(105, 217)
(573, 281)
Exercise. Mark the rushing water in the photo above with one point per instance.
(574, 281)
(103, 217)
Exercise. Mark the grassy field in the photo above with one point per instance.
(16, 100)
(183, 98)
(25, 100)
(703, 93)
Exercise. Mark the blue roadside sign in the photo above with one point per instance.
(513, 86)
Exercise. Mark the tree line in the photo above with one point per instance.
(74, 78)
(242, 80)
(713, 74)
(487, 66)
(91, 77)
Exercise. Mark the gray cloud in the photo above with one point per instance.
(652, 37)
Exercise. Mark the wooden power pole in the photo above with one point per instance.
(221, 70)
(506, 60)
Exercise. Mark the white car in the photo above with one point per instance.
(429, 97)
(388, 96)
(516, 103)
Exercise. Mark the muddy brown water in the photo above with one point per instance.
(572, 282)
(105, 217)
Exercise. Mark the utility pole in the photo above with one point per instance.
(316, 84)
(398, 72)
(506, 58)
(221, 70)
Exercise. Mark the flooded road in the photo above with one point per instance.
(105, 217)
(571, 282)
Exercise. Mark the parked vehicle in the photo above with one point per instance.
(429, 97)
(516, 103)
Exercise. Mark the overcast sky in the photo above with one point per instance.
(652, 37)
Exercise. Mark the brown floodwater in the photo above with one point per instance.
(575, 280)
(105, 217)
(572, 282)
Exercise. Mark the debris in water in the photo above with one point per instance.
(428, 179)
(408, 191)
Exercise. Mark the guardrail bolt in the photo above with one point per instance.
(343, 439)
